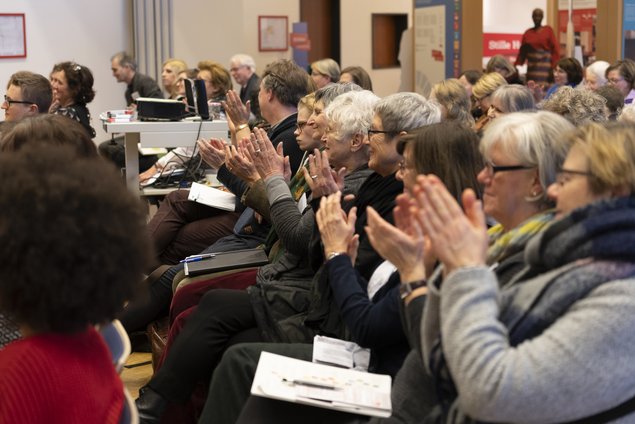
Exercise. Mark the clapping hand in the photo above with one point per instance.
(458, 239)
(267, 160)
(235, 110)
(403, 244)
(322, 180)
(212, 151)
(337, 230)
(239, 163)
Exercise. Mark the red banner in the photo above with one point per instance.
(505, 44)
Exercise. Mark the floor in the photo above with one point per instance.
(137, 372)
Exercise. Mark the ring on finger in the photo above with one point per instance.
(314, 177)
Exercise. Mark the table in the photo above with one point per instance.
(160, 134)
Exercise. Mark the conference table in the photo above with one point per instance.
(160, 134)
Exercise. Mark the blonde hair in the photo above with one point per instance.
(307, 102)
(610, 152)
(327, 67)
(452, 96)
(487, 84)
(177, 65)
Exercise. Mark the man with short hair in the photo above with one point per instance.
(124, 69)
(243, 70)
(27, 95)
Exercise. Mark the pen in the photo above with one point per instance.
(311, 384)
(195, 258)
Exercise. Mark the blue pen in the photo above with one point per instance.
(196, 258)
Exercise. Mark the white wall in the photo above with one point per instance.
(203, 30)
(88, 32)
(356, 39)
(510, 17)
(233, 28)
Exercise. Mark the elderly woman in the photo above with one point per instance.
(510, 98)
(482, 93)
(62, 371)
(578, 106)
(621, 74)
(72, 91)
(595, 75)
(500, 346)
(452, 96)
(170, 75)
(325, 72)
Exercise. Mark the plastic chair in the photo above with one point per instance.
(129, 415)
(118, 342)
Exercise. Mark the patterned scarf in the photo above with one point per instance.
(504, 244)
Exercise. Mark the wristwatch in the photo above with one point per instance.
(406, 289)
(331, 255)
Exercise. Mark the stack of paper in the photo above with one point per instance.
(293, 380)
(200, 193)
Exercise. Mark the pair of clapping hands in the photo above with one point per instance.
(429, 225)
(254, 157)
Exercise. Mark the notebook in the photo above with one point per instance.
(227, 260)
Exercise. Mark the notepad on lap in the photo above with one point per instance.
(223, 261)
(292, 380)
(200, 193)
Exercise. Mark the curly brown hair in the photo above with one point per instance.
(80, 81)
(73, 239)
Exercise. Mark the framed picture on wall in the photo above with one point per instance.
(12, 35)
(273, 33)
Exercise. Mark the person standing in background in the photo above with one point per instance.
(539, 48)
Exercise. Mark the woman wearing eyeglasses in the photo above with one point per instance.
(621, 74)
(72, 91)
(557, 344)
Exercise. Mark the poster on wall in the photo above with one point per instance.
(628, 48)
(12, 35)
(584, 19)
(437, 42)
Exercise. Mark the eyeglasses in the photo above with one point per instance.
(300, 126)
(615, 80)
(373, 132)
(493, 169)
(564, 175)
(9, 101)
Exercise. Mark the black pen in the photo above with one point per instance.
(311, 384)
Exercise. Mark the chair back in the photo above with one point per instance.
(129, 415)
(117, 341)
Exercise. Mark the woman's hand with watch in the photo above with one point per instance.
(337, 229)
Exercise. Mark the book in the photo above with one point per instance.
(210, 196)
(222, 261)
(293, 380)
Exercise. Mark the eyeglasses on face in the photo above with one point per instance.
(9, 101)
(372, 132)
(564, 175)
(493, 169)
(236, 68)
(300, 126)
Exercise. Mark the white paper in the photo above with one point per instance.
(327, 350)
(352, 391)
(200, 193)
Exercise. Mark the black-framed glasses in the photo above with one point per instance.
(9, 101)
(300, 126)
(493, 169)
(563, 175)
(373, 132)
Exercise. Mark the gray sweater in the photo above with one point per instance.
(581, 365)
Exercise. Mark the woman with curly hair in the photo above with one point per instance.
(73, 247)
(578, 106)
(72, 91)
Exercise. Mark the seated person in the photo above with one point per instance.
(578, 106)
(27, 94)
(54, 130)
(455, 104)
(72, 91)
(73, 250)
(170, 72)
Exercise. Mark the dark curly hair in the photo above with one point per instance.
(48, 130)
(73, 240)
(573, 68)
(80, 81)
